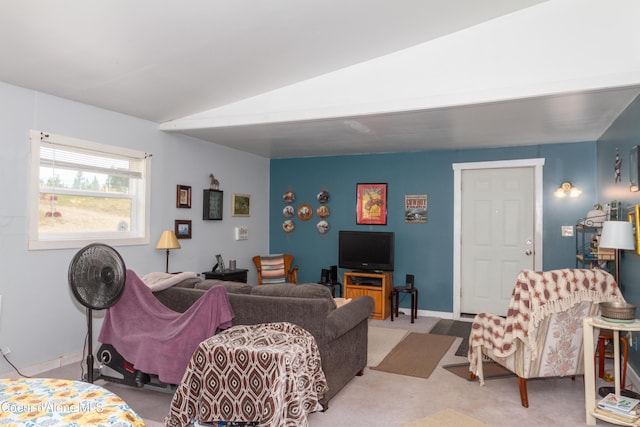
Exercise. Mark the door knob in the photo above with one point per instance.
(528, 252)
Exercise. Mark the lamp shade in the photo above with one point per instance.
(617, 235)
(168, 240)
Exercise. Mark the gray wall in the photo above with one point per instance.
(39, 319)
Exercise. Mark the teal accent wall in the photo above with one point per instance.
(623, 134)
(425, 250)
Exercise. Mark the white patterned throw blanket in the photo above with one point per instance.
(157, 281)
(269, 374)
(535, 296)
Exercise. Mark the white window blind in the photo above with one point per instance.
(82, 192)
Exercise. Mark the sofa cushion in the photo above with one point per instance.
(272, 269)
(189, 283)
(231, 287)
(309, 290)
(237, 288)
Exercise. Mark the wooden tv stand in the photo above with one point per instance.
(376, 285)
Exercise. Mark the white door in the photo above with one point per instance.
(497, 235)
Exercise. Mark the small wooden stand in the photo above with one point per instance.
(376, 285)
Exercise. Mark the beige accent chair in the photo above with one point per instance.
(542, 333)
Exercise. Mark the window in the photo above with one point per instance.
(83, 192)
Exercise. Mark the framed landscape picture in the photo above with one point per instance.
(183, 228)
(371, 205)
(241, 205)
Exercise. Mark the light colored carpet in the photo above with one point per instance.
(381, 399)
(417, 355)
(381, 342)
(447, 418)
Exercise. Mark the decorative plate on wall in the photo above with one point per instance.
(323, 196)
(288, 226)
(305, 212)
(288, 211)
(323, 227)
(289, 197)
(323, 211)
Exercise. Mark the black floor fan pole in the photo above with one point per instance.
(97, 276)
(90, 346)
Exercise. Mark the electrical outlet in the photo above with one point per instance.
(6, 351)
(567, 231)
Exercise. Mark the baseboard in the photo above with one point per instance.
(428, 313)
(38, 368)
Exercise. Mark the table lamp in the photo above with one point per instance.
(617, 235)
(168, 241)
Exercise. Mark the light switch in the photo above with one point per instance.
(241, 233)
(567, 231)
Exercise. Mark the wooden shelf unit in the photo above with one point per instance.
(586, 255)
(376, 285)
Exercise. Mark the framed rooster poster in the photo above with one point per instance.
(371, 207)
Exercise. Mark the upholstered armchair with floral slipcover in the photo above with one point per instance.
(276, 269)
(542, 333)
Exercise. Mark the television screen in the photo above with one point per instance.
(366, 250)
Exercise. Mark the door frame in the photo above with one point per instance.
(537, 164)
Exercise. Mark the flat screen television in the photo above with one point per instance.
(366, 250)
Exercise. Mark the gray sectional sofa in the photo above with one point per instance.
(340, 332)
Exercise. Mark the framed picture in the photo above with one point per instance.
(212, 205)
(371, 205)
(415, 208)
(241, 205)
(220, 264)
(634, 219)
(183, 228)
(183, 196)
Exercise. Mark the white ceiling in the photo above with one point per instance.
(290, 78)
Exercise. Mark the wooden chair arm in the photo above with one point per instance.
(292, 275)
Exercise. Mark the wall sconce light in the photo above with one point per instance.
(567, 189)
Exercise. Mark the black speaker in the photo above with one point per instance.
(409, 281)
(324, 276)
(334, 274)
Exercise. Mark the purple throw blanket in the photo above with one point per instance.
(156, 339)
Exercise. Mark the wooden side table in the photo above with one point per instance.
(237, 275)
(376, 285)
(588, 324)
